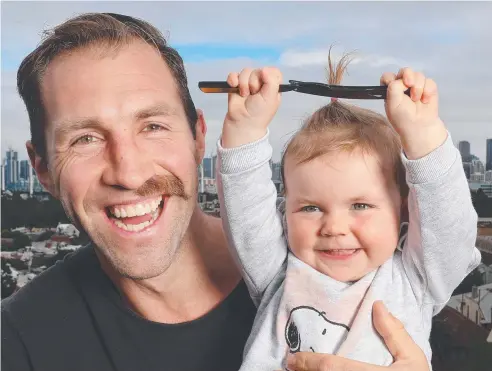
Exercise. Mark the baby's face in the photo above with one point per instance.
(343, 214)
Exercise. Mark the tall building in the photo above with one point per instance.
(11, 168)
(3, 176)
(467, 168)
(207, 167)
(488, 158)
(477, 177)
(488, 176)
(276, 176)
(477, 167)
(464, 148)
(214, 166)
(24, 170)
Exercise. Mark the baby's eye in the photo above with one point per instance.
(360, 206)
(310, 209)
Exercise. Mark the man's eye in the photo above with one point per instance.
(360, 206)
(153, 127)
(310, 209)
(86, 139)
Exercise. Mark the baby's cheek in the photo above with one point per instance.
(368, 230)
(301, 234)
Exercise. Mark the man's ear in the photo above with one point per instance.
(201, 131)
(40, 166)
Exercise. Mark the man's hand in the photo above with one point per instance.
(407, 355)
(253, 108)
(415, 118)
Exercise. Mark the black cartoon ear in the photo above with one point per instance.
(293, 337)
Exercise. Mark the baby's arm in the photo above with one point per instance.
(247, 194)
(252, 223)
(440, 247)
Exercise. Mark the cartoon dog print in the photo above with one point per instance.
(308, 330)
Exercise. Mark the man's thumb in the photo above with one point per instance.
(397, 339)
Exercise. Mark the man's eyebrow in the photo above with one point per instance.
(160, 109)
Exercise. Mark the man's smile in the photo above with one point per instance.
(137, 216)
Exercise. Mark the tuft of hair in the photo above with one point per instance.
(338, 127)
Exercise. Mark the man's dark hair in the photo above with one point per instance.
(92, 29)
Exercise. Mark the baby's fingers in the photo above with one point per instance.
(386, 78)
(430, 91)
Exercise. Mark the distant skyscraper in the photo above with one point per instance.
(488, 176)
(24, 170)
(276, 176)
(3, 176)
(467, 168)
(11, 168)
(207, 167)
(464, 148)
(477, 167)
(488, 158)
(214, 167)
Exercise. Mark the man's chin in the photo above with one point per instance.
(143, 262)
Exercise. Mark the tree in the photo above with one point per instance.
(44, 214)
(475, 278)
(482, 203)
(21, 241)
(45, 236)
(9, 283)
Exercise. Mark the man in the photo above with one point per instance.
(116, 137)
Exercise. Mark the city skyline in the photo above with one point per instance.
(447, 34)
(18, 175)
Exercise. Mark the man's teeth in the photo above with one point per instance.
(137, 227)
(135, 210)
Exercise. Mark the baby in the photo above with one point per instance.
(354, 183)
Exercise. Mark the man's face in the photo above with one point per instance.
(121, 155)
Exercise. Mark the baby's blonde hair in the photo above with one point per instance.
(338, 127)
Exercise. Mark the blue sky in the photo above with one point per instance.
(448, 41)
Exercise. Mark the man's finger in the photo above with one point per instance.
(396, 338)
(308, 361)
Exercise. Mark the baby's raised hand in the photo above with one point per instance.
(250, 111)
(415, 118)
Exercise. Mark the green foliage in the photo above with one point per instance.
(475, 278)
(482, 203)
(45, 236)
(17, 212)
(8, 282)
(21, 241)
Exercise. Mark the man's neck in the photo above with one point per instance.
(202, 275)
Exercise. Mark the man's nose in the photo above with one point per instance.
(334, 224)
(129, 167)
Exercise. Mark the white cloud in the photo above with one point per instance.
(319, 57)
